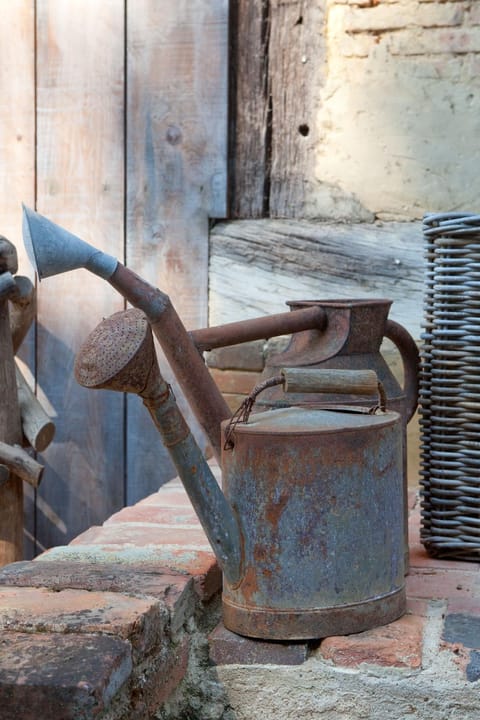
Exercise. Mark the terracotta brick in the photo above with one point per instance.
(79, 611)
(412, 499)
(139, 534)
(442, 584)
(227, 648)
(173, 590)
(155, 515)
(60, 676)
(201, 565)
(233, 401)
(417, 606)
(235, 381)
(398, 644)
(167, 496)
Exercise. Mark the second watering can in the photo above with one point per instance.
(307, 529)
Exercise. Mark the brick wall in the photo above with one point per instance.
(123, 624)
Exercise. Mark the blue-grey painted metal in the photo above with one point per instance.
(319, 495)
(60, 250)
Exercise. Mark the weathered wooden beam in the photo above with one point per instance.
(257, 265)
(249, 108)
(11, 491)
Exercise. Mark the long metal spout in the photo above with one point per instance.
(53, 250)
(119, 355)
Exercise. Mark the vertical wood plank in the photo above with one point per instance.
(297, 64)
(80, 161)
(176, 160)
(249, 150)
(17, 158)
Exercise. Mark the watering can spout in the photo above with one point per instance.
(119, 355)
(53, 250)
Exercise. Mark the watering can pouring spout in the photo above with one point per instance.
(119, 355)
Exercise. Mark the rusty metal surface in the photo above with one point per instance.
(351, 340)
(259, 328)
(320, 498)
(200, 390)
(117, 354)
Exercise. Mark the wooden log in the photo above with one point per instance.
(22, 309)
(37, 427)
(8, 256)
(11, 491)
(21, 464)
(18, 182)
(7, 285)
(4, 474)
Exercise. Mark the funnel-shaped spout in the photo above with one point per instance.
(54, 250)
(60, 251)
(119, 355)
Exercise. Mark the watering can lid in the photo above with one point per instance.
(300, 421)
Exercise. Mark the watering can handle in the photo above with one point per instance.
(408, 350)
(348, 382)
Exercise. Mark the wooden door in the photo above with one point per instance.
(115, 129)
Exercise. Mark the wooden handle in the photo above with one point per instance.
(21, 464)
(348, 382)
(36, 425)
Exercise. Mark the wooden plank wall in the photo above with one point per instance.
(278, 69)
(105, 131)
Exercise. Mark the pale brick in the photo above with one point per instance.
(435, 41)
(386, 18)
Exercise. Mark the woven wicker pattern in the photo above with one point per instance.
(450, 387)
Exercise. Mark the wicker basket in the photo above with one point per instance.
(450, 387)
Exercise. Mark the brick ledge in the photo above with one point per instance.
(114, 624)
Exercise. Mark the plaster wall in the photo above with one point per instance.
(397, 120)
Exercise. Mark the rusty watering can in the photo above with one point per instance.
(328, 334)
(308, 533)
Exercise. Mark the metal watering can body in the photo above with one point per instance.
(318, 495)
